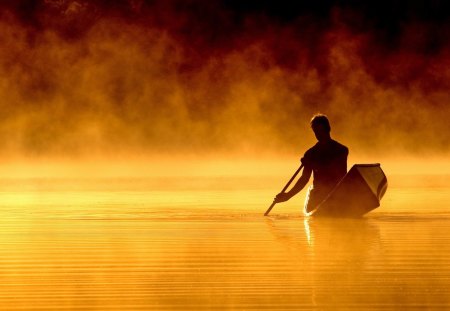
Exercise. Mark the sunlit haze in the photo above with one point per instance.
(87, 79)
(145, 144)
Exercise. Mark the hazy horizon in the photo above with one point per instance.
(82, 79)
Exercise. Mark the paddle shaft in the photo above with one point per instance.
(284, 189)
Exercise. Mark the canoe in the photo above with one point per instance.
(358, 192)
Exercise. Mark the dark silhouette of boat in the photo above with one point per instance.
(358, 192)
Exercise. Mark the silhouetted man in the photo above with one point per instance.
(327, 159)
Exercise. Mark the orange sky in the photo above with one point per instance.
(80, 78)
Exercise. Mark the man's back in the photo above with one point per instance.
(328, 161)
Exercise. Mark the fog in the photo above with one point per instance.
(142, 79)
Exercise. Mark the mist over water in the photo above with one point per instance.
(141, 142)
(84, 78)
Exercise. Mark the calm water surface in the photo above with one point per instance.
(202, 243)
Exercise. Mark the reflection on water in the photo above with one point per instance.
(203, 244)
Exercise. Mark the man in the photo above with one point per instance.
(327, 159)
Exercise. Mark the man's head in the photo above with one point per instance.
(321, 127)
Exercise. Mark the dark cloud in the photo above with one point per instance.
(79, 76)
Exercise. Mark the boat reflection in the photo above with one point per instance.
(331, 255)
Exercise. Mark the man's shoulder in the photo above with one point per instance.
(338, 146)
(333, 146)
(311, 150)
(332, 143)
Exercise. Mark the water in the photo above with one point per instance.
(203, 244)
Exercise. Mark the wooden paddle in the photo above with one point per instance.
(284, 189)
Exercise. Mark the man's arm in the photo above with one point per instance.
(301, 183)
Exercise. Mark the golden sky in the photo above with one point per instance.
(149, 77)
